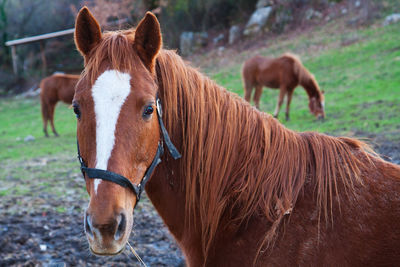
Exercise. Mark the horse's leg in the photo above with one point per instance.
(282, 93)
(52, 107)
(45, 120)
(288, 100)
(257, 96)
(45, 117)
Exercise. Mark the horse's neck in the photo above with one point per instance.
(204, 120)
(165, 192)
(310, 86)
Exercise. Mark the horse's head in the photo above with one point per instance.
(117, 128)
(317, 105)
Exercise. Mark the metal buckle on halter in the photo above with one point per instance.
(159, 109)
(80, 159)
(165, 136)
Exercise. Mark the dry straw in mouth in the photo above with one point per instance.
(137, 255)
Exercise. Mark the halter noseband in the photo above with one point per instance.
(123, 181)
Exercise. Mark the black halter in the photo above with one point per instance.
(121, 180)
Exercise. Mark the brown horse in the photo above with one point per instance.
(284, 73)
(57, 87)
(246, 191)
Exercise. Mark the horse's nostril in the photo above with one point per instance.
(121, 226)
(88, 225)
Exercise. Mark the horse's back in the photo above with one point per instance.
(59, 87)
(251, 69)
(48, 92)
(67, 83)
(271, 72)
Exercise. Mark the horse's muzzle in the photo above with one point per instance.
(106, 236)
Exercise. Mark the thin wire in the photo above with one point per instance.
(137, 255)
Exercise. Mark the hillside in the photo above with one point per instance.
(359, 70)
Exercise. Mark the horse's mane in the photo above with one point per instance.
(242, 162)
(237, 161)
(306, 78)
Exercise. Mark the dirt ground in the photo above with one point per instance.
(58, 239)
(32, 238)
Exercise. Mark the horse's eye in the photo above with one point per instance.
(148, 111)
(77, 110)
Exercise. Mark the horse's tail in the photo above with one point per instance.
(249, 70)
(247, 81)
(45, 110)
(43, 100)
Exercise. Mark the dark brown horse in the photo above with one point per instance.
(246, 191)
(284, 73)
(55, 88)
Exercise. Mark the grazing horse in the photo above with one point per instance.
(284, 73)
(246, 191)
(57, 87)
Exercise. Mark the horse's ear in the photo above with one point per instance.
(148, 40)
(87, 31)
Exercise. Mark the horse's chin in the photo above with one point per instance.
(111, 249)
(320, 117)
(106, 253)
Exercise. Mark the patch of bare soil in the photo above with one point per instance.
(41, 221)
(58, 239)
(388, 149)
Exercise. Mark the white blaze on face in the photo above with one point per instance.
(109, 93)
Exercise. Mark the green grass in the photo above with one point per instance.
(361, 83)
(44, 166)
(21, 117)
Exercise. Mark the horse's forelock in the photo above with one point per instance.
(115, 49)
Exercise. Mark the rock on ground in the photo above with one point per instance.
(394, 18)
(192, 41)
(257, 20)
(234, 34)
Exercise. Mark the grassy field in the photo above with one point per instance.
(361, 80)
(358, 69)
(40, 165)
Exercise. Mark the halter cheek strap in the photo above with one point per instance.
(171, 148)
(94, 173)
